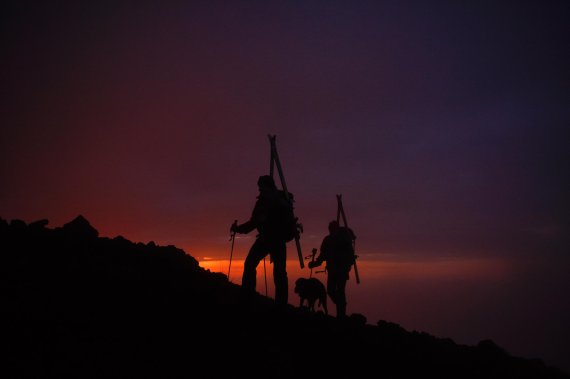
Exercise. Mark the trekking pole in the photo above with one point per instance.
(340, 212)
(271, 159)
(275, 159)
(265, 277)
(233, 239)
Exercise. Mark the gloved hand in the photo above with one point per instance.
(234, 228)
(312, 264)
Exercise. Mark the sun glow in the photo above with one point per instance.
(376, 275)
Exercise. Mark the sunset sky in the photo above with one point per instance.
(445, 126)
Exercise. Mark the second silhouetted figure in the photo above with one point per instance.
(338, 251)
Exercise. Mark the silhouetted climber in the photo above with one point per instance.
(337, 250)
(272, 216)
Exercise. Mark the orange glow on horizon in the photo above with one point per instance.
(373, 273)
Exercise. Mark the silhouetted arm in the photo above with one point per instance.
(317, 262)
(253, 222)
(322, 255)
(245, 228)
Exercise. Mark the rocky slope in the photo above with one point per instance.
(79, 305)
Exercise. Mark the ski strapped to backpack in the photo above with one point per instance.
(275, 162)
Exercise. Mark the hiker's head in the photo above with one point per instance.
(333, 226)
(266, 182)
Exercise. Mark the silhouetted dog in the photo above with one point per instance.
(311, 289)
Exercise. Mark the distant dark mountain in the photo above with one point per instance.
(82, 306)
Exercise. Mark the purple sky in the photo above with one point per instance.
(444, 126)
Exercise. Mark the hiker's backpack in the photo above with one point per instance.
(278, 220)
(290, 225)
(344, 241)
